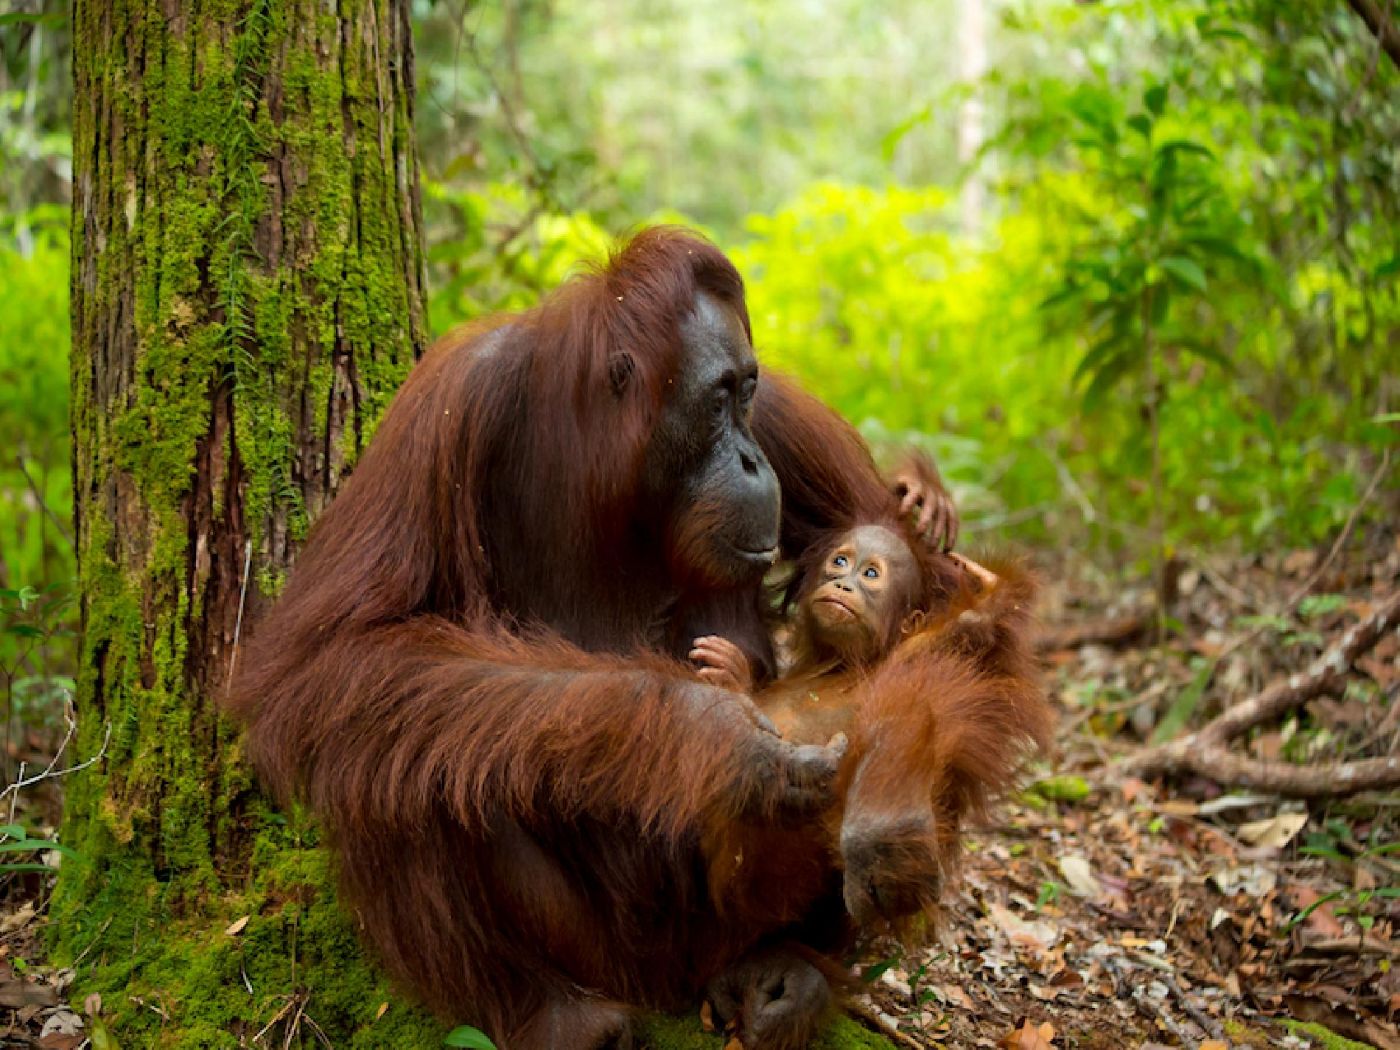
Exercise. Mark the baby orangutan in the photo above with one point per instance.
(852, 614)
(851, 611)
(916, 660)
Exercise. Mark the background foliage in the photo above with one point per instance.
(1173, 321)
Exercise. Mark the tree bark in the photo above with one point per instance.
(972, 67)
(247, 293)
(1382, 26)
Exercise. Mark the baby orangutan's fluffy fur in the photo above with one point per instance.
(961, 684)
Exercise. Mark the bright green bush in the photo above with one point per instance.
(35, 480)
(923, 337)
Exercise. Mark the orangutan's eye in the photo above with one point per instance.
(871, 573)
(840, 561)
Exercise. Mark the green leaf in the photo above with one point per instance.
(1061, 296)
(467, 1036)
(1184, 706)
(1321, 605)
(1184, 146)
(1142, 124)
(871, 973)
(1062, 789)
(13, 831)
(101, 1038)
(24, 17)
(1155, 99)
(31, 845)
(1099, 354)
(1187, 271)
(1302, 915)
(23, 630)
(1107, 377)
(892, 138)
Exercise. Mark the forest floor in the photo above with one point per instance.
(1105, 912)
(1102, 911)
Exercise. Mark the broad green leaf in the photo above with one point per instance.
(1155, 99)
(469, 1037)
(1187, 271)
(1101, 352)
(1183, 146)
(1108, 376)
(1062, 789)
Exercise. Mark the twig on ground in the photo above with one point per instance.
(1206, 751)
(51, 771)
(877, 1022)
(1207, 1024)
(1117, 631)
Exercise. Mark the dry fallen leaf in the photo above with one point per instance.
(236, 927)
(17, 994)
(383, 1009)
(1030, 1037)
(17, 919)
(1038, 936)
(1273, 832)
(1214, 1044)
(1079, 876)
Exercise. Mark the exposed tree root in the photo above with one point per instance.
(1206, 751)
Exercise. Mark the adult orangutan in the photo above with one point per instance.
(472, 674)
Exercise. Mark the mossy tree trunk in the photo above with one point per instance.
(247, 293)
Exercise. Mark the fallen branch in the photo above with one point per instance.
(1206, 751)
(1118, 631)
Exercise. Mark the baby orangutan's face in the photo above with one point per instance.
(865, 590)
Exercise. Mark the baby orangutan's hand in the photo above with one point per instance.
(722, 663)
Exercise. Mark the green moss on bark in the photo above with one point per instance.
(247, 294)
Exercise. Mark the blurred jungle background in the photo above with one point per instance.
(1129, 270)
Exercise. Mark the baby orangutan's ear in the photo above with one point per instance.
(913, 623)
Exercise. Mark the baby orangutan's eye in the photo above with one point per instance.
(872, 573)
(840, 561)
